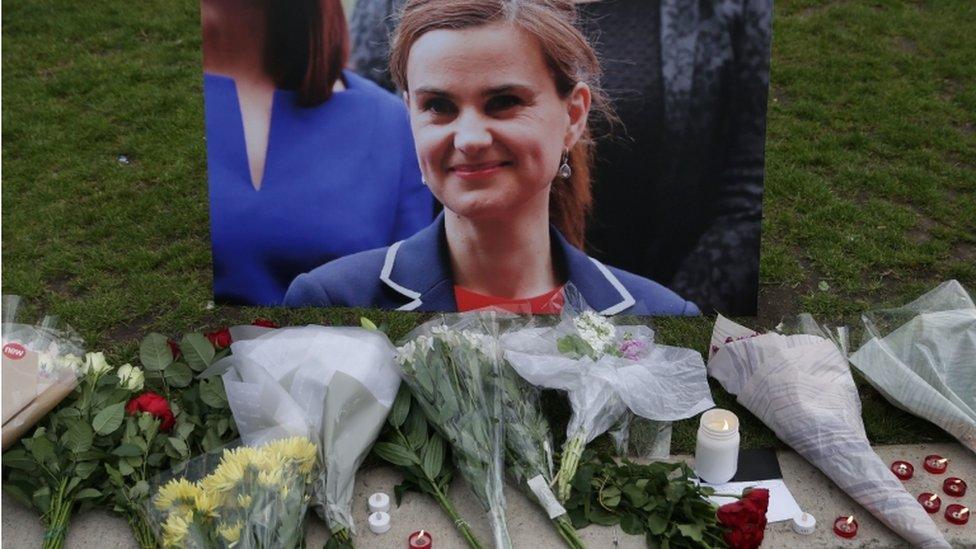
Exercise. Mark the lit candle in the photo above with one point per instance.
(421, 540)
(845, 527)
(931, 502)
(717, 448)
(935, 464)
(957, 514)
(903, 470)
(955, 487)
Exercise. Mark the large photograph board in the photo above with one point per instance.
(317, 157)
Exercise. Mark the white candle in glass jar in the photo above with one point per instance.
(717, 449)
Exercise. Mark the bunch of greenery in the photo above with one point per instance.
(255, 498)
(57, 470)
(454, 377)
(422, 457)
(658, 500)
(528, 443)
(202, 424)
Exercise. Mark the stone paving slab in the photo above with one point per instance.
(529, 526)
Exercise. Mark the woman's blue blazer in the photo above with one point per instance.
(415, 275)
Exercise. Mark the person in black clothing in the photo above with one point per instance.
(678, 189)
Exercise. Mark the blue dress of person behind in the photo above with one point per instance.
(338, 178)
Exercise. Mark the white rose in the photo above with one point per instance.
(95, 364)
(136, 380)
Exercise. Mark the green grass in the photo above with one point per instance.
(870, 187)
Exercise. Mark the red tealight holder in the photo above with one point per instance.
(420, 540)
(957, 514)
(845, 527)
(930, 502)
(903, 470)
(955, 487)
(935, 464)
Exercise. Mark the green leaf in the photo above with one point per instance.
(395, 454)
(139, 490)
(197, 351)
(42, 499)
(416, 429)
(42, 449)
(154, 352)
(212, 393)
(184, 429)
(401, 406)
(19, 459)
(693, 531)
(178, 374)
(631, 524)
(432, 458)
(367, 323)
(179, 446)
(88, 493)
(79, 436)
(109, 419)
(18, 493)
(599, 515)
(84, 469)
(126, 450)
(125, 468)
(657, 524)
(637, 496)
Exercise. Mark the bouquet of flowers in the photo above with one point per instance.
(40, 368)
(606, 370)
(254, 497)
(333, 386)
(453, 369)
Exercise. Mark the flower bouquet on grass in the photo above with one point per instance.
(333, 386)
(662, 502)
(453, 370)
(607, 371)
(253, 498)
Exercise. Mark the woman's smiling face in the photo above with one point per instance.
(488, 123)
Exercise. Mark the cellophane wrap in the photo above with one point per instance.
(242, 496)
(801, 387)
(333, 385)
(922, 358)
(453, 366)
(42, 364)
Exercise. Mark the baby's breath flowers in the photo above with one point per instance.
(255, 497)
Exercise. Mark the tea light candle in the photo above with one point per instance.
(903, 470)
(935, 464)
(804, 524)
(957, 514)
(955, 487)
(420, 540)
(931, 502)
(845, 527)
(717, 448)
(379, 502)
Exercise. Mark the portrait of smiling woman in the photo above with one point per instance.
(500, 95)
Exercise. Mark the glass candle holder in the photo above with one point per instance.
(957, 514)
(903, 470)
(845, 527)
(717, 447)
(420, 540)
(930, 502)
(935, 464)
(955, 487)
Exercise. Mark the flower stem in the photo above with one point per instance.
(141, 531)
(568, 533)
(570, 462)
(462, 526)
(56, 518)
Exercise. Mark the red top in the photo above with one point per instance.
(549, 303)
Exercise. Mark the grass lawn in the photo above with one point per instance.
(870, 185)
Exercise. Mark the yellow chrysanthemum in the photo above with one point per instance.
(206, 502)
(175, 530)
(270, 479)
(231, 532)
(244, 501)
(231, 469)
(176, 493)
(298, 450)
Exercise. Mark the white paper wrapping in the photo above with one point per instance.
(922, 358)
(332, 385)
(801, 387)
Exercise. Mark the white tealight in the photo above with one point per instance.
(804, 524)
(379, 502)
(379, 522)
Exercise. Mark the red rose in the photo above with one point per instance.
(745, 519)
(154, 405)
(264, 322)
(174, 347)
(220, 338)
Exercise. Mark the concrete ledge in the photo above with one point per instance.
(529, 526)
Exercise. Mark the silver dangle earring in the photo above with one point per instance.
(564, 170)
(424, 181)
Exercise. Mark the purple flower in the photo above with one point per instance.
(631, 349)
